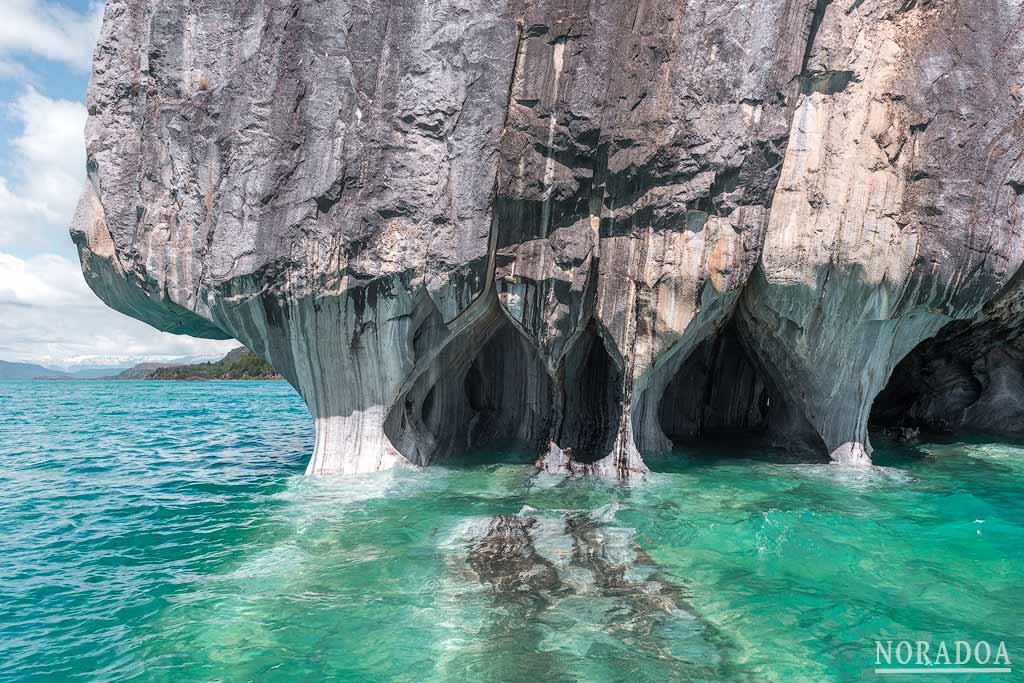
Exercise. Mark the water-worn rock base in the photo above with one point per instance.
(585, 229)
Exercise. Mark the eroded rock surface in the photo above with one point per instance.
(578, 227)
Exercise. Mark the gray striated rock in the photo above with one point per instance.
(579, 227)
(895, 212)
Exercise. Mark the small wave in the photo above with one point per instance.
(855, 478)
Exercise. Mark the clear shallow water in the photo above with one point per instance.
(164, 532)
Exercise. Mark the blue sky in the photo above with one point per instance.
(47, 313)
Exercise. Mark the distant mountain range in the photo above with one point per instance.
(94, 373)
(29, 371)
(239, 363)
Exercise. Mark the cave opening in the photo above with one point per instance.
(930, 396)
(507, 393)
(718, 401)
(898, 409)
(951, 383)
(593, 399)
(485, 399)
(722, 404)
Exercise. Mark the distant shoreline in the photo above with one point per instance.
(238, 364)
(276, 378)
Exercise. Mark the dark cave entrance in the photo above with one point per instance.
(943, 386)
(485, 399)
(593, 399)
(723, 404)
(507, 395)
(717, 398)
(924, 393)
(934, 394)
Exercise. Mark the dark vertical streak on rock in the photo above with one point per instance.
(818, 17)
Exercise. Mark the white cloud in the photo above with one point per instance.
(48, 170)
(43, 280)
(49, 30)
(49, 315)
(50, 128)
(12, 69)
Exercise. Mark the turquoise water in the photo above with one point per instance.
(164, 532)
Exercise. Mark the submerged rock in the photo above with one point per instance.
(580, 569)
(583, 228)
(506, 559)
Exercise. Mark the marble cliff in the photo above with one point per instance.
(586, 228)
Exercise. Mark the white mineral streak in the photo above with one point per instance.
(353, 444)
(557, 63)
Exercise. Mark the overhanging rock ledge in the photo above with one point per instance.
(553, 223)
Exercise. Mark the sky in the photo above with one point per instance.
(48, 315)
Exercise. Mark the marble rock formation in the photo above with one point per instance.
(580, 227)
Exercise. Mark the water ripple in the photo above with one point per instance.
(164, 531)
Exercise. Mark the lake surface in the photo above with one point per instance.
(165, 532)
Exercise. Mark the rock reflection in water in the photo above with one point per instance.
(572, 596)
